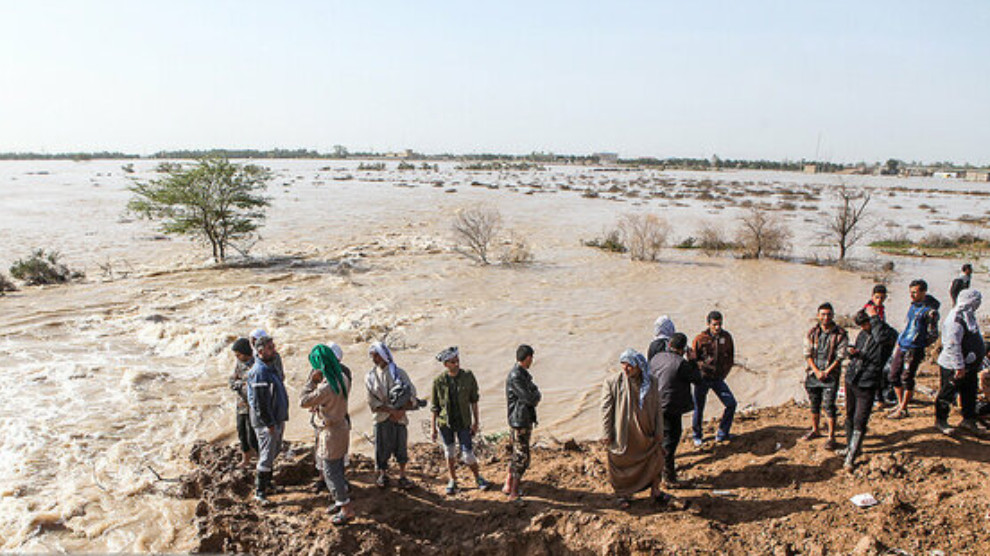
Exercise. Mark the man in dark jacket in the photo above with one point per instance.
(269, 405)
(522, 397)
(714, 352)
(674, 376)
(867, 357)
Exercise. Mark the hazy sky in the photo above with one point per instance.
(742, 79)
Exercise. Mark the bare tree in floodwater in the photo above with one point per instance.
(762, 234)
(847, 223)
(215, 200)
(475, 229)
(644, 235)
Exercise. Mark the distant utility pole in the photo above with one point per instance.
(818, 147)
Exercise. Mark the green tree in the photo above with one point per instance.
(216, 201)
(892, 167)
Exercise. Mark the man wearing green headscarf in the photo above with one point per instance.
(326, 392)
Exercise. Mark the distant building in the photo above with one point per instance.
(608, 159)
(948, 174)
(407, 153)
(810, 168)
(978, 175)
(856, 171)
(915, 172)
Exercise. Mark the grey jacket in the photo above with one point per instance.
(674, 376)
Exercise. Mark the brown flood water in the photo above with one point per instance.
(109, 379)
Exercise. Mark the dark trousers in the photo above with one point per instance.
(673, 427)
(904, 366)
(391, 439)
(966, 389)
(859, 406)
(249, 441)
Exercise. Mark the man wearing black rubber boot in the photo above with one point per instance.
(269, 411)
(867, 357)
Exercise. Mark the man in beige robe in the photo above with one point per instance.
(326, 391)
(632, 430)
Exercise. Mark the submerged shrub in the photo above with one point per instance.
(644, 235)
(42, 267)
(6, 285)
(942, 241)
(516, 251)
(712, 239)
(762, 234)
(610, 240)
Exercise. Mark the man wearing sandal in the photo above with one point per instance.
(326, 391)
(390, 395)
(825, 347)
(455, 416)
(632, 430)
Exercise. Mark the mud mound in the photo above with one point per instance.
(766, 492)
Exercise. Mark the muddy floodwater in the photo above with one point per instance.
(108, 381)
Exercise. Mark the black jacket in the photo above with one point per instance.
(873, 349)
(522, 397)
(959, 284)
(656, 346)
(674, 376)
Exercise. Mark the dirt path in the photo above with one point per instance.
(766, 492)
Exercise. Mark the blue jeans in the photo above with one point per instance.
(721, 390)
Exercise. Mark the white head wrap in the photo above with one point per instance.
(663, 327)
(338, 352)
(448, 354)
(967, 303)
(382, 350)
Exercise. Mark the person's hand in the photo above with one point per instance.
(315, 376)
(853, 351)
(871, 310)
(397, 414)
(960, 374)
(474, 428)
(433, 436)
(605, 441)
(271, 430)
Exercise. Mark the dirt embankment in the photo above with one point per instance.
(766, 492)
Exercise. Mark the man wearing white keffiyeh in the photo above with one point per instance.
(390, 394)
(632, 430)
(663, 331)
(962, 356)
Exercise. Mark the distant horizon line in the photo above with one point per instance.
(342, 153)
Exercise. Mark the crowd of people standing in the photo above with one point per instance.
(642, 406)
